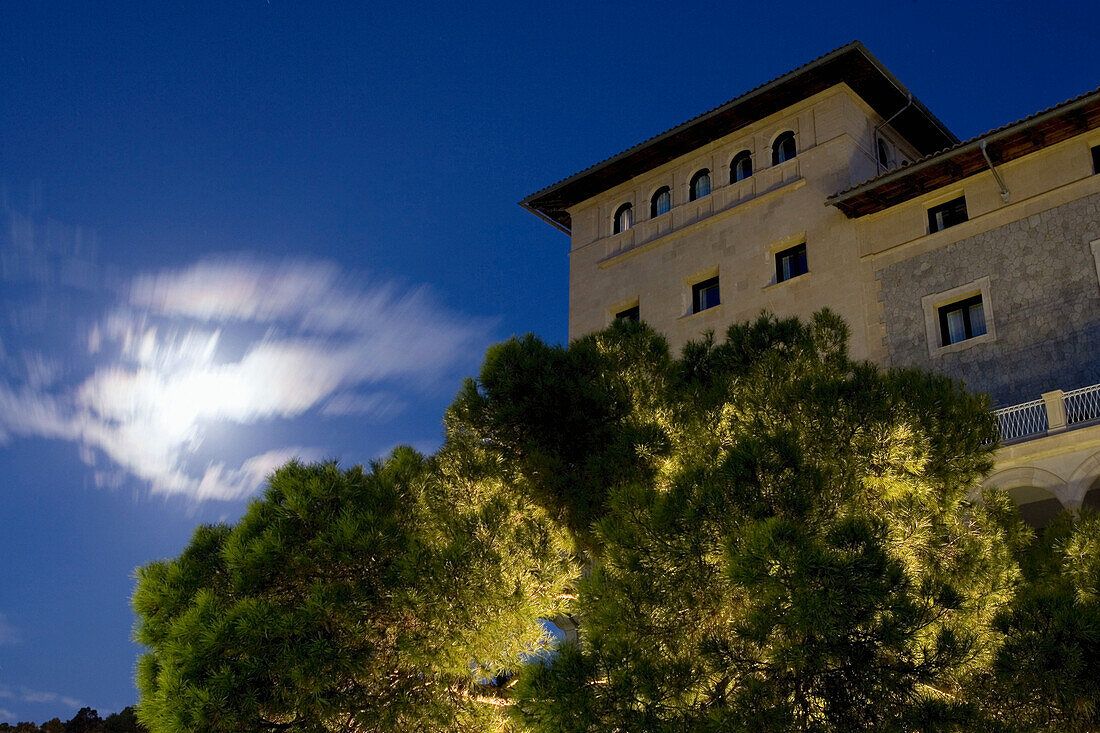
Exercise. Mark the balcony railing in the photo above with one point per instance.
(1053, 413)
(1083, 405)
(1019, 421)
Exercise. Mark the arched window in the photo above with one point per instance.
(883, 154)
(661, 202)
(783, 149)
(624, 218)
(741, 167)
(700, 184)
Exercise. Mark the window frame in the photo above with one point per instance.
(966, 308)
(735, 163)
(616, 222)
(693, 193)
(943, 207)
(631, 313)
(1096, 160)
(798, 249)
(882, 152)
(702, 287)
(777, 147)
(933, 302)
(653, 209)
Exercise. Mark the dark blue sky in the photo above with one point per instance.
(237, 231)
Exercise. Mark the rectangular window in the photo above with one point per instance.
(704, 295)
(791, 263)
(630, 314)
(947, 215)
(1096, 159)
(961, 320)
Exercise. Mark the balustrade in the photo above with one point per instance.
(1054, 412)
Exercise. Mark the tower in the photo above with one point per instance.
(833, 186)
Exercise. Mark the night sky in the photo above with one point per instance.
(232, 233)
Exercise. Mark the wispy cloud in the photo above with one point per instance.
(218, 481)
(8, 633)
(232, 341)
(379, 404)
(35, 697)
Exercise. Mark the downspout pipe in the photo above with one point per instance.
(1000, 181)
(884, 123)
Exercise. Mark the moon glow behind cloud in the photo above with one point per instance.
(307, 337)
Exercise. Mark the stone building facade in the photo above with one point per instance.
(1047, 302)
(833, 186)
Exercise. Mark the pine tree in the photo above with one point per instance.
(365, 600)
(795, 546)
(1046, 675)
(759, 535)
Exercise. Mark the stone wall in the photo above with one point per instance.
(1045, 297)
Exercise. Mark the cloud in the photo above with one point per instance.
(8, 633)
(35, 696)
(232, 342)
(40, 371)
(379, 405)
(220, 483)
(28, 695)
(6, 714)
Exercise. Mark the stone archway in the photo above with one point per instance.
(1040, 495)
(1091, 499)
(1084, 484)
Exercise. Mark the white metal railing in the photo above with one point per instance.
(1053, 413)
(1082, 405)
(1018, 421)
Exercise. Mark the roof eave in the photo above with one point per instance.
(537, 202)
(868, 187)
(546, 218)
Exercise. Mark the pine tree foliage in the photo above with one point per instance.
(351, 600)
(792, 545)
(758, 535)
(562, 425)
(1046, 675)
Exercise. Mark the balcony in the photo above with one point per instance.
(1052, 413)
(722, 199)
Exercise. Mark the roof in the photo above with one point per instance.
(852, 64)
(1009, 142)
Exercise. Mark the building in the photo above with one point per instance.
(833, 186)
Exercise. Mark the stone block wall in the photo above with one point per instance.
(1045, 297)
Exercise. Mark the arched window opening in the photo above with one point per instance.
(661, 202)
(624, 218)
(883, 154)
(784, 149)
(700, 184)
(741, 167)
